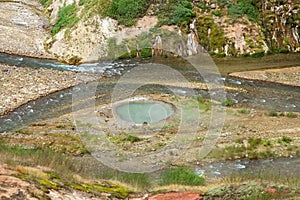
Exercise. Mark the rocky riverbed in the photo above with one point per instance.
(19, 85)
(287, 76)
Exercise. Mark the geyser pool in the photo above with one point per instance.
(140, 112)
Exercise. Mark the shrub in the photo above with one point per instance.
(254, 142)
(286, 139)
(127, 11)
(272, 114)
(243, 7)
(243, 111)
(66, 18)
(146, 53)
(181, 176)
(217, 37)
(132, 138)
(46, 3)
(182, 12)
(291, 115)
(203, 6)
(175, 12)
(228, 103)
(235, 11)
(217, 13)
(258, 54)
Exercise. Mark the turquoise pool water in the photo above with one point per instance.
(143, 112)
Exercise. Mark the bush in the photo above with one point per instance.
(228, 103)
(258, 54)
(182, 12)
(243, 111)
(217, 13)
(291, 115)
(281, 50)
(175, 12)
(46, 3)
(243, 7)
(286, 139)
(203, 6)
(254, 142)
(181, 176)
(272, 114)
(127, 11)
(66, 18)
(235, 11)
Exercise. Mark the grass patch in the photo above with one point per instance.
(127, 11)
(45, 3)
(132, 138)
(181, 176)
(243, 111)
(67, 17)
(228, 103)
(291, 115)
(286, 139)
(204, 104)
(272, 114)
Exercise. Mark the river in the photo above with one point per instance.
(260, 95)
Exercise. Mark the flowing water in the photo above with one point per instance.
(260, 95)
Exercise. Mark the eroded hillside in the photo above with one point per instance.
(88, 30)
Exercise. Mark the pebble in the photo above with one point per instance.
(19, 85)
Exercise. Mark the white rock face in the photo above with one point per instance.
(22, 28)
(87, 40)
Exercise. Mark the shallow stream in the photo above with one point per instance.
(260, 95)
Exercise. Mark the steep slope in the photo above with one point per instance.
(225, 28)
(89, 30)
(22, 28)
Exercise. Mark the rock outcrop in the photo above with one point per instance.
(225, 28)
(23, 28)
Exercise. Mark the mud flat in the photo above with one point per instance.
(19, 85)
(287, 76)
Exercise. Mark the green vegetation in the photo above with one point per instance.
(228, 103)
(92, 7)
(241, 8)
(46, 3)
(286, 139)
(217, 13)
(127, 11)
(216, 39)
(203, 6)
(272, 114)
(291, 115)
(67, 17)
(175, 12)
(281, 114)
(204, 104)
(181, 176)
(132, 138)
(258, 54)
(243, 111)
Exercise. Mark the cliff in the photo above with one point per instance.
(88, 30)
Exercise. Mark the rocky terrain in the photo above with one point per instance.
(20, 85)
(288, 76)
(23, 28)
(81, 31)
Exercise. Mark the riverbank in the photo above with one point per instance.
(19, 85)
(286, 76)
